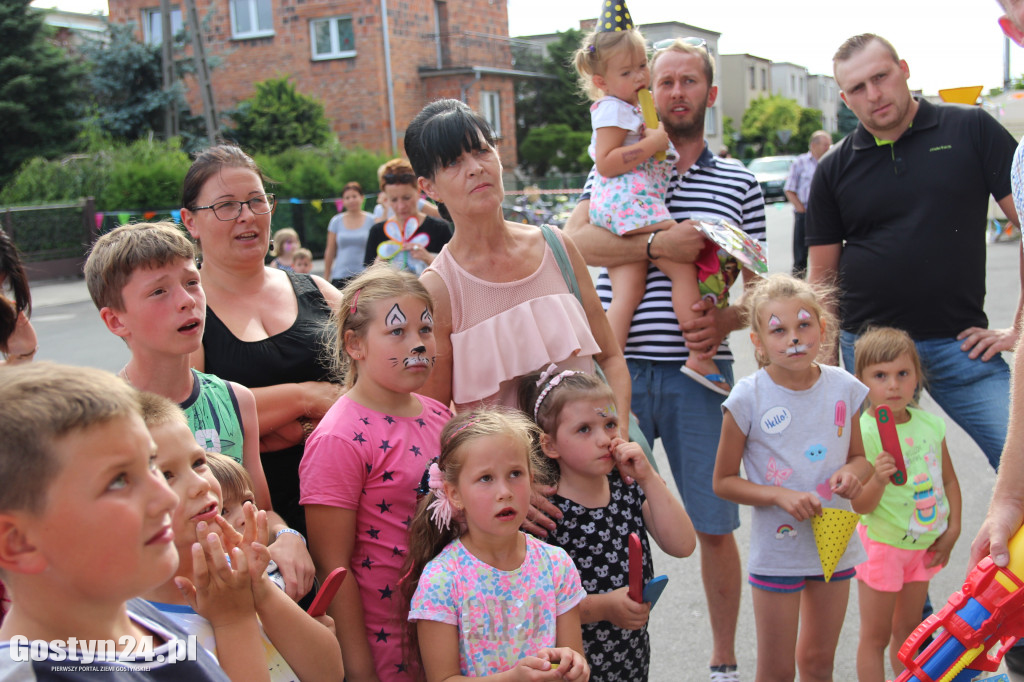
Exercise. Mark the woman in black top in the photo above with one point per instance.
(263, 325)
(408, 245)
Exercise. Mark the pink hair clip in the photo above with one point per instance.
(451, 436)
(552, 382)
(355, 302)
(441, 508)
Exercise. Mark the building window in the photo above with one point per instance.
(711, 122)
(753, 82)
(152, 26)
(764, 79)
(332, 38)
(490, 109)
(251, 18)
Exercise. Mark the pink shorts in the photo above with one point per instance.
(889, 568)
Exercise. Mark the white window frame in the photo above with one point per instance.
(490, 109)
(151, 20)
(256, 32)
(336, 51)
(711, 122)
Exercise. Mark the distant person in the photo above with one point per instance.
(414, 237)
(628, 192)
(384, 210)
(798, 189)
(346, 237)
(897, 216)
(17, 336)
(724, 155)
(285, 244)
(302, 261)
(93, 515)
(793, 425)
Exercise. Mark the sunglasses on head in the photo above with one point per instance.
(399, 179)
(692, 41)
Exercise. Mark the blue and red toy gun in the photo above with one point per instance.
(978, 624)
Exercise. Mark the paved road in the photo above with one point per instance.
(70, 331)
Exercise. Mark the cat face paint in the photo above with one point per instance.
(401, 351)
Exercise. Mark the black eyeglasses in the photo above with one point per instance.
(692, 41)
(399, 179)
(230, 210)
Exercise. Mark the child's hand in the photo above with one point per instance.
(222, 592)
(572, 665)
(626, 613)
(631, 461)
(658, 135)
(940, 549)
(845, 484)
(801, 506)
(885, 466)
(327, 622)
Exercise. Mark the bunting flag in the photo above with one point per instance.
(832, 532)
(317, 204)
(123, 218)
(149, 215)
(99, 221)
(295, 200)
(176, 215)
(339, 205)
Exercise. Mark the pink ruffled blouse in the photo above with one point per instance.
(504, 330)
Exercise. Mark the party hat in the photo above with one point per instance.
(832, 531)
(614, 17)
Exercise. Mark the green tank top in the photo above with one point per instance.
(213, 415)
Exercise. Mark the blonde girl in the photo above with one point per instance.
(488, 600)
(364, 461)
(286, 243)
(910, 529)
(580, 435)
(628, 192)
(792, 424)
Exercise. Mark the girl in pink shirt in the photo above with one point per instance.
(363, 463)
(489, 600)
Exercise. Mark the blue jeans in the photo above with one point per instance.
(975, 394)
(688, 419)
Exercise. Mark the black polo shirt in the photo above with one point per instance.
(912, 215)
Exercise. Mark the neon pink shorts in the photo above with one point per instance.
(889, 568)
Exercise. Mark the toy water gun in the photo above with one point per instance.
(650, 115)
(979, 624)
(891, 442)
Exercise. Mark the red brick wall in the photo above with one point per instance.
(354, 90)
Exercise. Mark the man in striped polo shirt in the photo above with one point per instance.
(684, 414)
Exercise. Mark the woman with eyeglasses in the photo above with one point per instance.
(263, 325)
(409, 239)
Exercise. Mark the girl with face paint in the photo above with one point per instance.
(794, 426)
(363, 463)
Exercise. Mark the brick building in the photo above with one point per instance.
(364, 59)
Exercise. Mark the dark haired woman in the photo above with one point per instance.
(346, 237)
(17, 337)
(501, 306)
(263, 325)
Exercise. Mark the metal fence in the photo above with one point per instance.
(53, 239)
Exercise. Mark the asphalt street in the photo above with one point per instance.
(70, 331)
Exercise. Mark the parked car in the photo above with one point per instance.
(771, 173)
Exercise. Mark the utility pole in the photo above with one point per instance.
(167, 67)
(202, 71)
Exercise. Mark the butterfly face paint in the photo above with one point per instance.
(606, 411)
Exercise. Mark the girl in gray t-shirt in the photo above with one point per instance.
(793, 425)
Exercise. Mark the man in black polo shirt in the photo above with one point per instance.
(897, 220)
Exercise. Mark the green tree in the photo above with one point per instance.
(278, 117)
(126, 85)
(555, 146)
(810, 121)
(553, 100)
(766, 117)
(40, 92)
